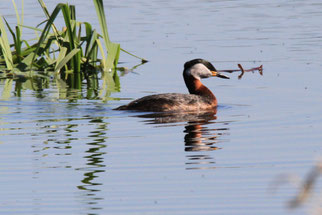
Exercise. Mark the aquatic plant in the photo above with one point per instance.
(71, 53)
(305, 188)
(242, 70)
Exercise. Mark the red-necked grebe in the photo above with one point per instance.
(199, 99)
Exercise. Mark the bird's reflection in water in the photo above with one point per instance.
(200, 140)
(202, 135)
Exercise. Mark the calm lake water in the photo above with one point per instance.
(82, 157)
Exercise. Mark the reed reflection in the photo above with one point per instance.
(202, 135)
(94, 165)
(64, 138)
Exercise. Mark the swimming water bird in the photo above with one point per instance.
(199, 99)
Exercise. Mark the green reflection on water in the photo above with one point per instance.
(65, 138)
(94, 162)
(95, 85)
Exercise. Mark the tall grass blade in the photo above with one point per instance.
(22, 13)
(4, 45)
(19, 19)
(44, 8)
(113, 55)
(63, 61)
(113, 49)
(90, 53)
(27, 60)
(18, 44)
(91, 36)
(142, 59)
(46, 30)
(62, 54)
(17, 12)
(71, 32)
(102, 20)
(29, 27)
(103, 61)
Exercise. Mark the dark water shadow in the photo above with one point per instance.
(202, 135)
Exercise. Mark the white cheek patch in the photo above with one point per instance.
(199, 71)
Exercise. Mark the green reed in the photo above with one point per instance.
(71, 53)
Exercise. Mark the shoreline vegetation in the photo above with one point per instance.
(75, 55)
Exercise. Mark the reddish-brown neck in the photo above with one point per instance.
(196, 87)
